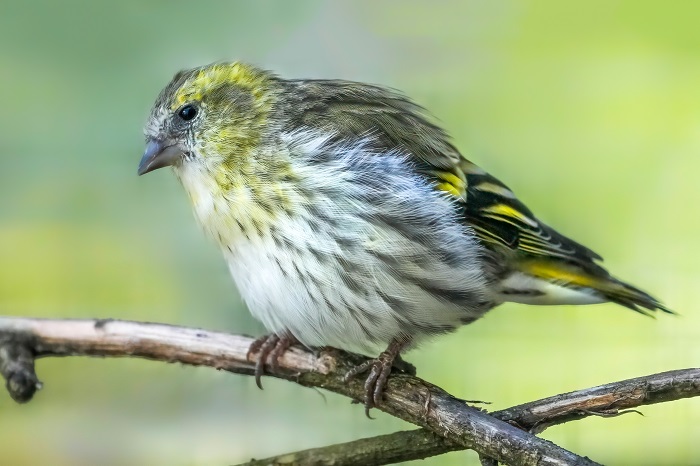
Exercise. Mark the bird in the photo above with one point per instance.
(348, 218)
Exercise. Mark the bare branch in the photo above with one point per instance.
(409, 398)
(375, 451)
(609, 400)
(23, 339)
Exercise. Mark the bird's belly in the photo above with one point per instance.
(355, 294)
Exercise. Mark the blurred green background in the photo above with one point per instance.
(591, 113)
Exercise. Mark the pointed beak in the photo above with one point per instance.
(159, 154)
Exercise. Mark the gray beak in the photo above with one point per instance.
(159, 154)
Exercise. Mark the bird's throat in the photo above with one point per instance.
(235, 205)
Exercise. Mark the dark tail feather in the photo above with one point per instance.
(627, 295)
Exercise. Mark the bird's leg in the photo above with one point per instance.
(269, 346)
(379, 370)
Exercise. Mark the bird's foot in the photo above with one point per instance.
(379, 370)
(270, 348)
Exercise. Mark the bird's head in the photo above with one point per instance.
(206, 115)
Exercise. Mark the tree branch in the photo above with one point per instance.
(609, 400)
(406, 397)
(457, 425)
(374, 451)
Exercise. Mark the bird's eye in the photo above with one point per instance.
(187, 112)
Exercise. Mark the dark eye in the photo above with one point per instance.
(187, 112)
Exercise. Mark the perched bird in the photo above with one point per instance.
(349, 219)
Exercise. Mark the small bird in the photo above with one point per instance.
(349, 219)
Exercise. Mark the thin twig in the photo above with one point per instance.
(404, 398)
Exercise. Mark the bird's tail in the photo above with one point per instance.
(557, 282)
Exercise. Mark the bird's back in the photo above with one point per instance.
(526, 260)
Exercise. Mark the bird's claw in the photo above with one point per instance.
(270, 348)
(379, 371)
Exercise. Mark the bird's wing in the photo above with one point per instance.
(500, 218)
(391, 121)
(528, 248)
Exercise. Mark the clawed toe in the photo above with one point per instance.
(379, 371)
(270, 347)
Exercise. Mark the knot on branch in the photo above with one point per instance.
(17, 367)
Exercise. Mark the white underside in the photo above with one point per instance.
(546, 292)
